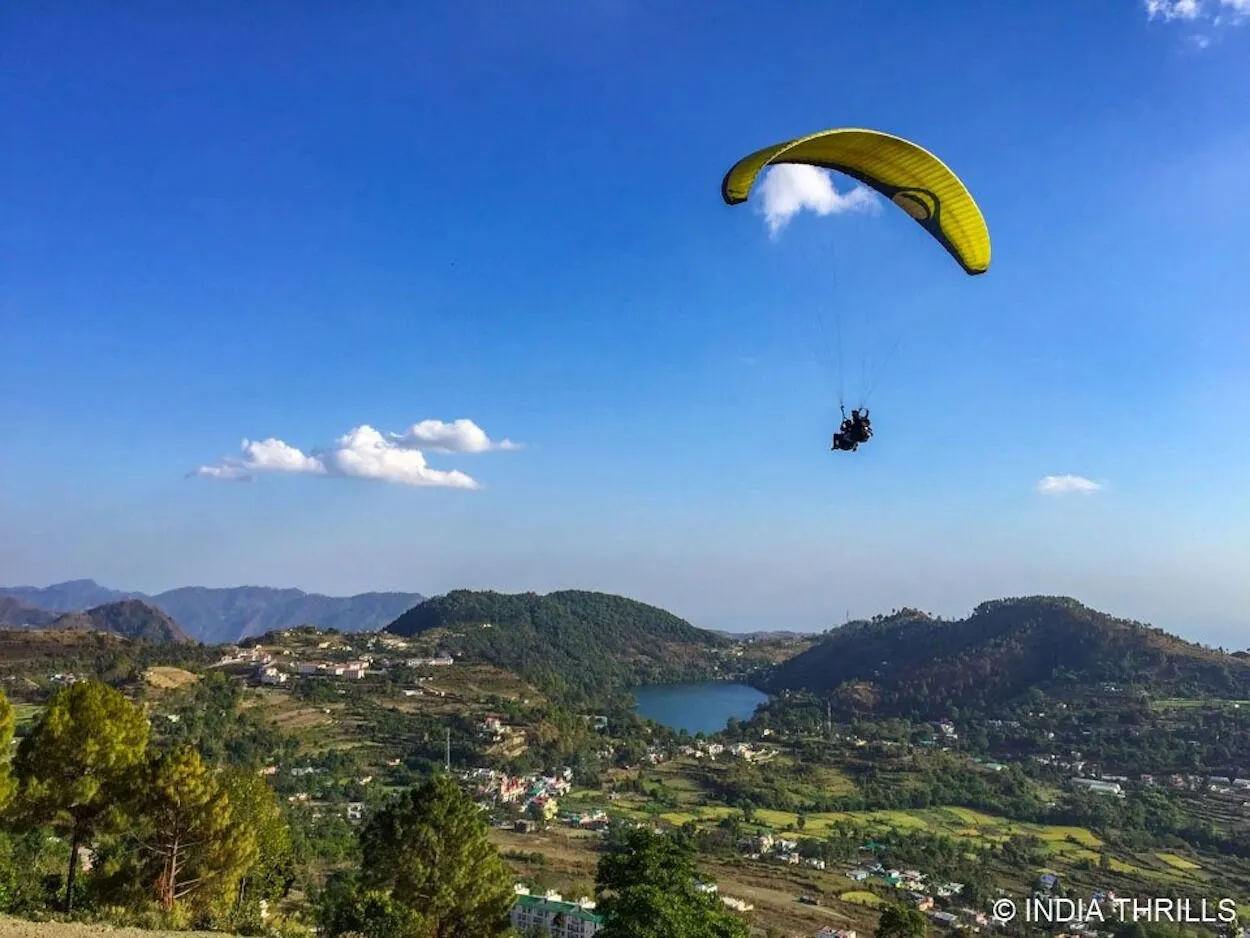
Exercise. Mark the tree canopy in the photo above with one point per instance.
(646, 889)
(77, 763)
(428, 852)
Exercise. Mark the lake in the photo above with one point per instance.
(703, 706)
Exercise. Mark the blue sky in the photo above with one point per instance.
(294, 221)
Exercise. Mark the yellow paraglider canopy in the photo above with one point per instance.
(908, 175)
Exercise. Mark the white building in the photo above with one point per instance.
(551, 915)
(1098, 786)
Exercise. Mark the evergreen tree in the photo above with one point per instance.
(196, 852)
(646, 889)
(76, 764)
(8, 722)
(428, 852)
(899, 921)
(254, 806)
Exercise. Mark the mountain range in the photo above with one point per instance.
(210, 615)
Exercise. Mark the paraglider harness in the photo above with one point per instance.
(855, 429)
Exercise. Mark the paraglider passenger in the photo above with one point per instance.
(861, 427)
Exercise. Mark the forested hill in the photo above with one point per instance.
(911, 664)
(128, 618)
(572, 640)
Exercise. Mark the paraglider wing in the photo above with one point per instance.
(908, 175)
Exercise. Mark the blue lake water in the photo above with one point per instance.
(701, 707)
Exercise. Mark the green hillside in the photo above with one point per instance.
(572, 640)
(911, 663)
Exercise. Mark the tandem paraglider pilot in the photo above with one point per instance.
(855, 429)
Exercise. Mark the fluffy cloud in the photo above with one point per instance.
(1172, 9)
(1066, 485)
(789, 188)
(365, 453)
(459, 436)
(1214, 12)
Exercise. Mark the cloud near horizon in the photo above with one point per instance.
(791, 188)
(1067, 484)
(365, 453)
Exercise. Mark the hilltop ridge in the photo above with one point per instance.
(911, 662)
(128, 618)
(568, 639)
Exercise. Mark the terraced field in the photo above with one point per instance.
(1068, 849)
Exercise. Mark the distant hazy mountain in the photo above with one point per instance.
(70, 596)
(16, 614)
(129, 618)
(227, 615)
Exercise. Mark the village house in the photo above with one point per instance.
(546, 806)
(1098, 786)
(920, 901)
(271, 675)
(440, 660)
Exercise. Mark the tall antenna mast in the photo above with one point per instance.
(448, 763)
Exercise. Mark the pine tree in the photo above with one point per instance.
(8, 722)
(254, 806)
(429, 852)
(196, 851)
(898, 921)
(646, 889)
(75, 766)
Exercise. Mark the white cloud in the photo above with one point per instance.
(1168, 10)
(1067, 484)
(273, 455)
(1216, 12)
(790, 188)
(366, 453)
(459, 436)
(226, 473)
